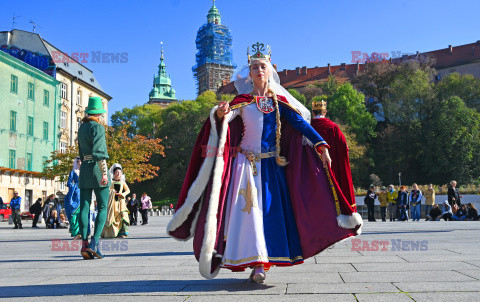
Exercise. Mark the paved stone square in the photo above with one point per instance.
(394, 261)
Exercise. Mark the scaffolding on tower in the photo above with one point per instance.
(214, 59)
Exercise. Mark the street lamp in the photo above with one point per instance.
(400, 178)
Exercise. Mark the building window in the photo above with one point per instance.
(45, 130)
(79, 98)
(44, 162)
(29, 161)
(63, 147)
(46, 98)
(63, 120)
(12, 158)
(31, 91)
(13, 84)
(30, 126)
(13, 121)
(64, 91)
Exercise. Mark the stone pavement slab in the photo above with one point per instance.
(154, 266)
(397, 297)
(447, 297)
(410, 287)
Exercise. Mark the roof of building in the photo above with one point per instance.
(72, 67)
(304, 76)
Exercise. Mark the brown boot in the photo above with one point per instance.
(84, 252)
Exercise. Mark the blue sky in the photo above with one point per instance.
(301, 33)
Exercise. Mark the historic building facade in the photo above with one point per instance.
(29, 127)
(76, 83)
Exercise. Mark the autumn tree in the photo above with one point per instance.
(133, 152)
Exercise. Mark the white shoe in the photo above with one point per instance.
(258, 274)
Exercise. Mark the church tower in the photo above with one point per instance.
(162, 92)
(214, 58)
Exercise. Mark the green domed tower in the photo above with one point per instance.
(162, 92)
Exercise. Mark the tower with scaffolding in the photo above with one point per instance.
(214, 58)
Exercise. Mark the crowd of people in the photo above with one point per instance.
(402, 205)
(122, 210)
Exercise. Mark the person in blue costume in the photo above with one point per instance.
(259, 188)
(72, 200)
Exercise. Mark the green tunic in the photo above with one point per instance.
(91, 141)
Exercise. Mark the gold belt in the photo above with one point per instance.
(256, 157)
(87, 157)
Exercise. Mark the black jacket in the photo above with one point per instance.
(472, 214)
(134, 204)
(453, 193)
(435, 212)
(36, 208)
(370, 198)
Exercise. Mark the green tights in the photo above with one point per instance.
(102, 202)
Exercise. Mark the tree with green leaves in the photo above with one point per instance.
(451, 141)
(466, 87)
(178, 125)
(346, 105)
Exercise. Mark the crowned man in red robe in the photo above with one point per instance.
(259, 191)
(332, 134)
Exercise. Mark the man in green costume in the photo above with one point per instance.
(92, 147)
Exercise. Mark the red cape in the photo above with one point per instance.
(316, 198)
(332, 134)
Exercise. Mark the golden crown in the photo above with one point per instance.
(258, 50)
(319, 105)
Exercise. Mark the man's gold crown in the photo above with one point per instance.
(319, 105)
(257, 49)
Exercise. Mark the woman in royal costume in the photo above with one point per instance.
(259, 190)
(72, 199)
(117, 213)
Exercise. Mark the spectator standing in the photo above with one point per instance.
(36, 210)
(15, 205)
(392, 196)
(429, 199)
(453, 195)
(415, 202)
(370, 202)
(402, 201)
(146, 205)
(48, 207)
(383, 199)
(135, 209)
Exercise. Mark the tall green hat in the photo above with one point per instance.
(95, 106)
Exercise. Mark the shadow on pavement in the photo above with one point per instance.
(405, 232)
(159, 254)
(143, 287)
